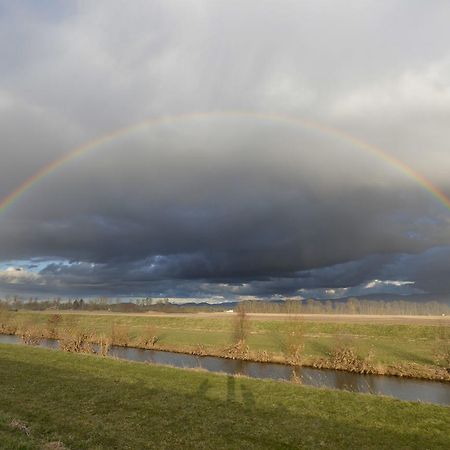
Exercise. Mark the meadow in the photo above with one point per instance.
(55, 400)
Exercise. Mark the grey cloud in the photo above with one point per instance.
(430, 269)
(218, 204)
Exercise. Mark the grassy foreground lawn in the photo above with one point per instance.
(88, 402)
(410, 347)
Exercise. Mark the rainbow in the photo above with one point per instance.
(283, 118)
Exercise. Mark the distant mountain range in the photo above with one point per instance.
(419, 298)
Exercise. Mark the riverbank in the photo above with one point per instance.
(407, 350)
(88, 402)
(409, 389)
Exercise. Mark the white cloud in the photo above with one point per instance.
(424, 91)
(16, 275)
(397, 283)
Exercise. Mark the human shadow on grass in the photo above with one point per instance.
(95, 401)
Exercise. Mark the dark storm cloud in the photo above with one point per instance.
(224, 206)
(430, 269)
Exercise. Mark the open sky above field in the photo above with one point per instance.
(304, 150)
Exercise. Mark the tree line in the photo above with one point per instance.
(310, 306)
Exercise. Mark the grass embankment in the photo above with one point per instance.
(49, 399)
(406, 350)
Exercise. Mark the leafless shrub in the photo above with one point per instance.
(241, 326)
(296, 377)
(263, 356)
(8, 324)
(104, 343)
(30, 334)
(120, 335)
(53, 322)
(241, 329)
(8, 327)
(442, 353)
(291, 340)
(4, 320)
(238, 350)
(149, 337)
(345, 357)
(294, 345)
(75, 341)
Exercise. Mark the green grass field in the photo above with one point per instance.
(88, 402)
(391, 347)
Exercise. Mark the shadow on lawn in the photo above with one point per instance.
(405, 355)
(320, 348)
(108, 399)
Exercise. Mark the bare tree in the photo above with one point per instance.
(241, 326)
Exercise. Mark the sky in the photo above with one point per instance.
(223, 199)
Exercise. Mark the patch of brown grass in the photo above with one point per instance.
(21, 426)
(7, 324)
(200, 350)
(54, 445)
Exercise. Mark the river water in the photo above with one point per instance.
(402, 388)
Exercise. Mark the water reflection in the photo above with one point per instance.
(402, 388)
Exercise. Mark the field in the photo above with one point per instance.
(404, 346)
(55, 400)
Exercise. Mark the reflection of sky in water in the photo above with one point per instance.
(401, 388)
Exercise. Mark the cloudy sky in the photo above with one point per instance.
(225, 205)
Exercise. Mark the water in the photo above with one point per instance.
(402, 388)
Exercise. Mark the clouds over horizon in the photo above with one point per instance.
(224, 205)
